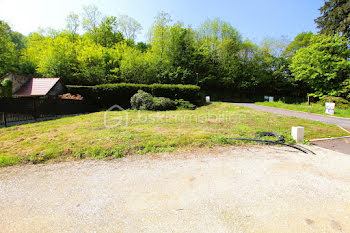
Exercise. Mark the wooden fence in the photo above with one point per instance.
(23, 109)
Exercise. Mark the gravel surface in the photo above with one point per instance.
(344, 122)
(231, 189)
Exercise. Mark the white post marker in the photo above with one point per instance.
(271, 99)
(298, 134)
(207, 99)
(330, 108)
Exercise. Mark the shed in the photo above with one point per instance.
(24, 86)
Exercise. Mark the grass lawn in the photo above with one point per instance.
(304, 107)
(145, 132)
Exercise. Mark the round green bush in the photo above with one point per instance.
(163, 104)
(142, 101)
(145, 101)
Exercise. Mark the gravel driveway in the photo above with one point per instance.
(344, 122)
(241, 189)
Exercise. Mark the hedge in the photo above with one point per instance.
(107, 95)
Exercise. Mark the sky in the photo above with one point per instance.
(254, 19)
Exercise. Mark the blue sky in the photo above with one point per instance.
(254, 19)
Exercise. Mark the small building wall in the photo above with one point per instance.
(58, 89)
(17, 81)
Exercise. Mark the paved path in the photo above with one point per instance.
(345, 123)
(340, 145)
(232, 189)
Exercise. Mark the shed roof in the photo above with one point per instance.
(37, 87)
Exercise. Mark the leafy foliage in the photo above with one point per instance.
(8, 53)
(213, 56)
(334, 19)
(323, 65)
(183, 104)
(145, 101)
(300, 41)
(163, 104)
(142, 101)
(6, 88)
(339, 102)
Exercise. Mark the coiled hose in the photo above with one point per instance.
(279, 141)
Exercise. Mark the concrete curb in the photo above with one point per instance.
(324, 139)
(343, 129)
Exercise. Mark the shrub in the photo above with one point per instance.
(6, 88)
(183, 104)
(145, 101)
(109, 94)
(163, 104)
(142, 101)
(339, 102)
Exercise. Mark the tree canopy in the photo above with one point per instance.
(8, 52)
(95, 49)
(335, 18)
(323, 64)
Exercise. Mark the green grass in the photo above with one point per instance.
(86, 136)
(304, 107)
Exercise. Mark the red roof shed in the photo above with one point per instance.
(40, 87)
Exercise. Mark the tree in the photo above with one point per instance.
(335, 18)
(323, 65)
(73, 24)
(158, 33)
(106, 34)
(300, 41)
(91, 68)
(91, 19)
(219, 45)
(57, 59)
(275, 47)
(8, 52)
(214, 32)
(129, 27)
(143, 47)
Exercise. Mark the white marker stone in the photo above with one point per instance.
(298, 134)
(207, 99)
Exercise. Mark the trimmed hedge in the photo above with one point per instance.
(107, 95)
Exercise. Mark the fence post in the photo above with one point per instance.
(34, 109)
(57, 105)
(4, 118)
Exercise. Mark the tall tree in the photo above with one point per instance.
(323, 65)
(129, 27)
(106, 34)
(7, 49)
(300, 41)
(73, 24)
(159, 32)
(275, 47)
(335, 18)
(91, 18)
